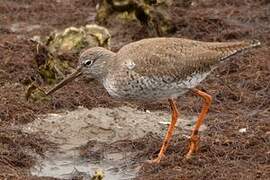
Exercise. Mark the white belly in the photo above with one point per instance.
(145, 88)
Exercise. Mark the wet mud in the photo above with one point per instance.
(85, 140)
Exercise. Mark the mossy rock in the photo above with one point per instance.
(152, 14)
(75, 39)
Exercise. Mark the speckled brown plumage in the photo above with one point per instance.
(177, 57)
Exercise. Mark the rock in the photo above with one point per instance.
(75, 39)
(152, 14)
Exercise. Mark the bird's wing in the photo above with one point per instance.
(175, 57)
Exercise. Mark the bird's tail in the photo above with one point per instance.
(231, 48)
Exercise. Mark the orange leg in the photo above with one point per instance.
(170, 131)
(194, 139)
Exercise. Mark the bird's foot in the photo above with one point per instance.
(193, 146)
(156, 160)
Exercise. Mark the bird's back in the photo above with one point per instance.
(178, 57)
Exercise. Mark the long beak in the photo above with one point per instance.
(68, 79)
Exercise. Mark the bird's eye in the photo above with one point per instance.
(88, 62)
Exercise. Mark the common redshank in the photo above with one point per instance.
(158, 69)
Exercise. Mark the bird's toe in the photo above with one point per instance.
(156, 160)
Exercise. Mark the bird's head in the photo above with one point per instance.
(93, 62)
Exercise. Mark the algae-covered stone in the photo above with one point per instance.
(152, 14)
(75, 39)
(101, 34)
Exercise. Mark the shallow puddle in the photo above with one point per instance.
(71, 130)
(69, 164)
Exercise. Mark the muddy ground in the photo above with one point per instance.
(240, 89)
